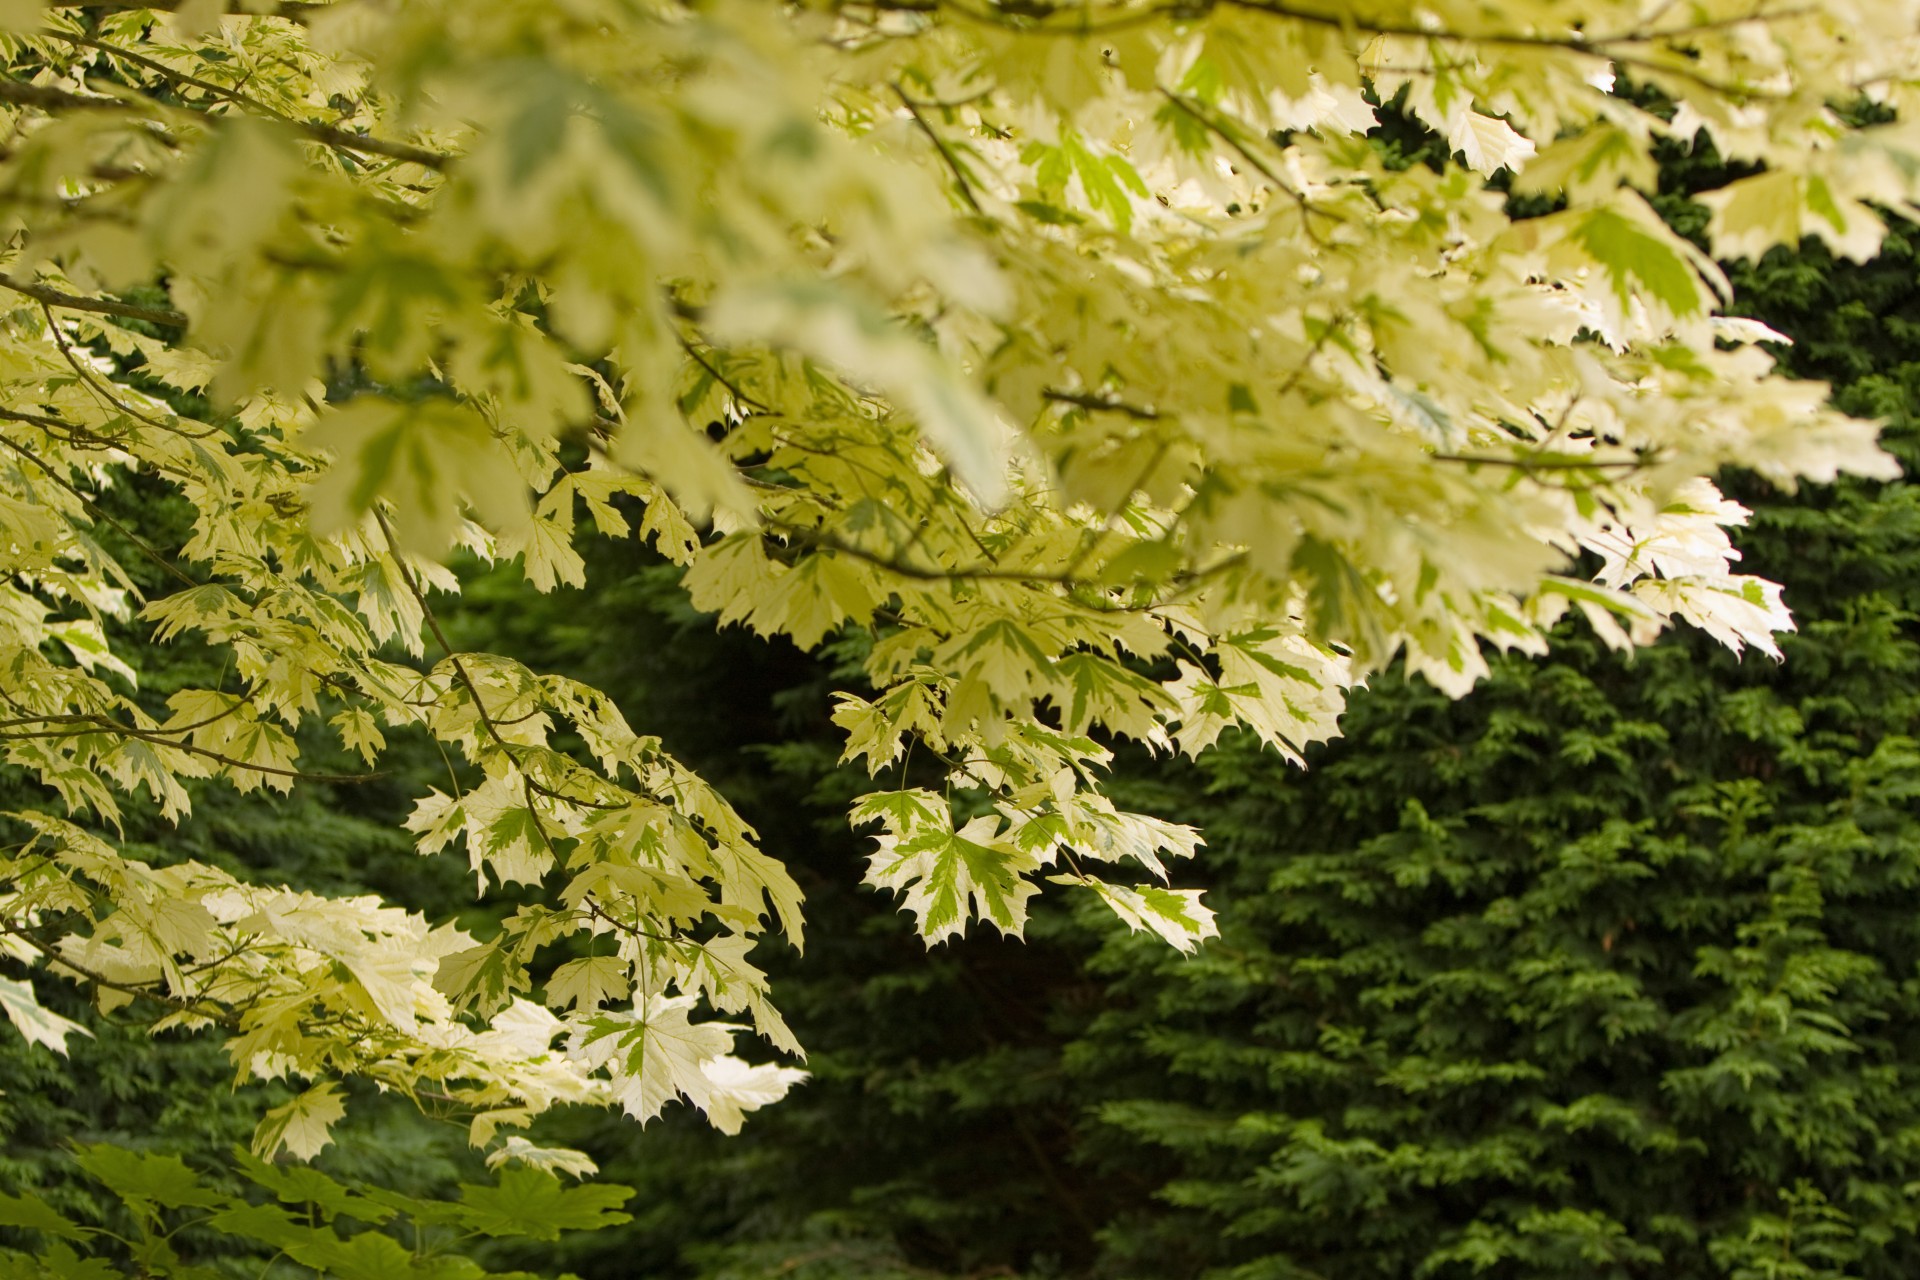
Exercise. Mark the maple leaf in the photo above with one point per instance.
(39, 1025)
(531, 1203)
(588, 983)
(948, 877)
(301, 1126)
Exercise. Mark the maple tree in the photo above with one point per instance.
(1084, 359)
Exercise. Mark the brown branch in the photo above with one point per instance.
(103, 391)
(819, 542)
(57, 961)
(1101, 404)
(50, 99)
(291, 9)
(85, 724)
(433, 624)
(1549, 462)
(21, 93)
(98, 306)
(46, 423)
(1031, 17)
(68, 717)
(527, 785)
(1033, 12)
(1228, 136)
(633, 931)
(321, 133)
(75, 436)
(732, 388)
(1573, 42)
(103, 172)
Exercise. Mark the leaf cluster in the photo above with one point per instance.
(327, 1228)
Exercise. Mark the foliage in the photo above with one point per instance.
(931, 1137)
(171, 1094)
(1605, 971)
(1086, 360)
(329, 1228)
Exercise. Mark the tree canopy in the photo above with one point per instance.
(1084, 369)
(1603, 971)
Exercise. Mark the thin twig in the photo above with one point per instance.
(60, 961)
(1101, 404)
(1033, 15)
(732, 387)
(939, 144)
(1559, 462)
(101, 389)
(1227, 135)
(98, 512)
(332, 137)
(294, 10)
(85, 724)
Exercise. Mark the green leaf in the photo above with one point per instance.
(588, 983)
(37, 1215)
(302, 1185)
(301, 1126)
(267, 1224)
(141, 1178)
(1642, 257)
(533, 1204)
(841, 329)
(1176, 915)
(370, 1256)
(60, 1262)
(947, 877)
(425, 459)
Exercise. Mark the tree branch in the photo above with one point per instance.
(98, 306)
(1101, 404)
(1031, 17)
(940, 145)
(96, 510)
(21, 93)
(57, 961)
(294, 10)
(326, 134)
(1543, 462)
(731, 387)
(105, 392)
(82, 724)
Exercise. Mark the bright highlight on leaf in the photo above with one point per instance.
(300, 1127)
(37, 1024)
